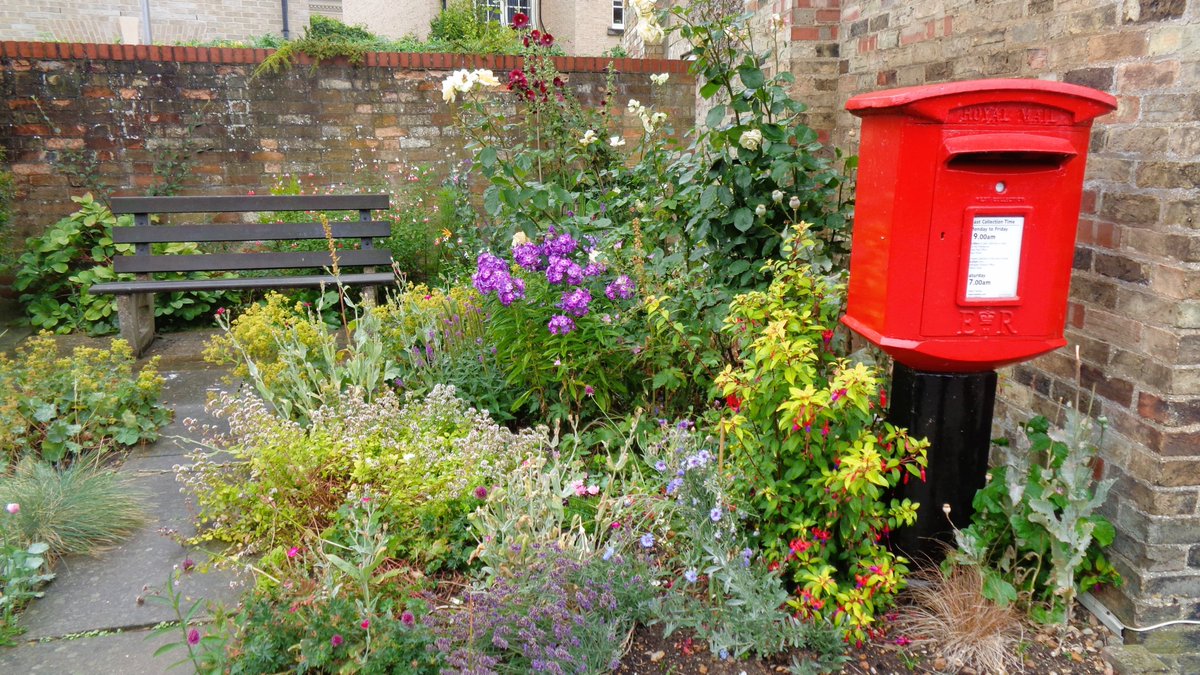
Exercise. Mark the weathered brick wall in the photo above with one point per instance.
(1135, 292)
(170, 20)
(126, 107)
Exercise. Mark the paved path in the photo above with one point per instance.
(90, 620)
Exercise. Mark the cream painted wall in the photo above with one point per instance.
(580, 27)
(392, 18)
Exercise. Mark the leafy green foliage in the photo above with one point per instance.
(6, 197)
(23, 570)
(1035, 533)
(286, 480)
(814, 456)
(458, 30)
(56, 407)
(60, 265)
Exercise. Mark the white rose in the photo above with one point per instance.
(760, 210)
(643, 8)
(589, 137)
(651, 33)
(661, 78)
(448, 91)
(487, 78)
(519, 239)
(462, 80)
(616, 141)
(750, 139)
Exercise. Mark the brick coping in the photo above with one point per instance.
(236, 55)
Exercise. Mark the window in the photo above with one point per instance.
(503, 11)
(618, 20)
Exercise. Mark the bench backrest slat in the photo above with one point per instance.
(253, 203)
(247, 232)
(149, 264)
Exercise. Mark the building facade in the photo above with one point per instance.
(171, 21)
(580, 27)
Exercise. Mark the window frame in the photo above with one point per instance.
(503, 10)
(618, 6)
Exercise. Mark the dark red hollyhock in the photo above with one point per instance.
(519, 20)
(516, 79)
(546, 40)
(534, 35)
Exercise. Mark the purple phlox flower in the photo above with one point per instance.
(622, 288)
(576, 301)
(492, 276)
(560, 324)
(529, 256)
(563, 269)
(594, 269)
(562, 245)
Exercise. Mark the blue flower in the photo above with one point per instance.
(674, 485)
(660, 466)
(724, 653)
(715, 514)
(647, 540)
(608, 553)
(691, 576)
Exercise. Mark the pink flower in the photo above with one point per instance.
(407, 618)
(593, 490)
(481, 492)
(251, 193)
(193, 637)
(366, 623)
(336, 640)
(589, 390)
(188, 564)
(293, 551)
(366, 500)
(13, 508)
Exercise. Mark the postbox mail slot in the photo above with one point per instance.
(1007, 152)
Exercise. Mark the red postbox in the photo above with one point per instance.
(967, 207)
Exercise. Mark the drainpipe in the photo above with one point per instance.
(287, 34)
(146, 37)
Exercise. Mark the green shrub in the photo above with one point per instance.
(814, 457)
(55, 407)
(285, 480)
(78, 509)
(1035, 535)
(59, 266)
(7, 255)
(23, 570)
(437, 337)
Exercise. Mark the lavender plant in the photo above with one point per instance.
(552, 615)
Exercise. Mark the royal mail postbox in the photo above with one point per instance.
(967, 206)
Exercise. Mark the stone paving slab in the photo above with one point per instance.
(123, 653)
(91, 620)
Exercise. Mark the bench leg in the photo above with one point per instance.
(135, 313)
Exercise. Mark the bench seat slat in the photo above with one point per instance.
(154, 234)
(149, 264)
(254, 203)
(315, 281)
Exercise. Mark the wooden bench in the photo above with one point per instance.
(135, 299)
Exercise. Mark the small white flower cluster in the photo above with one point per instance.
(648, 27)
(463, 81)
(660, 79)
(651, 122)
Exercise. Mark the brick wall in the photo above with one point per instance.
(170, 20)
(127, 106)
